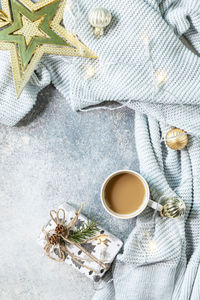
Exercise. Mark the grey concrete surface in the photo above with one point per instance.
(60, 156)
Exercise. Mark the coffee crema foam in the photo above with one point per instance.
(124, 193)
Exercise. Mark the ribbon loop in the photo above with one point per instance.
(75, 219)
(62, 218)
(53, 212)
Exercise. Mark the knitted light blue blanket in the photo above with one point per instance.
(142, 63)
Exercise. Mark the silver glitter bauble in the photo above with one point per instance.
(99, 18)
(173, 208)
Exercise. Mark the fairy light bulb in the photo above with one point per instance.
(152, 246)
(160, 77)
(68, 6)
(101, 240)
(90, 71)
(145, 38)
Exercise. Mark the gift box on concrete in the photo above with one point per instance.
(105, 247)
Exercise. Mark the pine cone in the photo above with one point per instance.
(53, 240)
(59, 229)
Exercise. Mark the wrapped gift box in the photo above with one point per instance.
(104, 248)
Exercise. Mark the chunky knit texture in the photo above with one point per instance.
(141, 40)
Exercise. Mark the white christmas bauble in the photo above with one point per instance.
(99, 18)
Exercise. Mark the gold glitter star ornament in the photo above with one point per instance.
(29, 30)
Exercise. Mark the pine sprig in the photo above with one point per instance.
(86, 231)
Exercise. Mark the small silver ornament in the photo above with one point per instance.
(99, 18)
(173, 208)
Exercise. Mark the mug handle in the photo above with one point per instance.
(155, 205)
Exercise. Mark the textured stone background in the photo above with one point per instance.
(60, 156)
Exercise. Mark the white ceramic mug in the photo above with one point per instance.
(146, 202)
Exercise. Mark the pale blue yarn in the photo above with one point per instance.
(125, 72)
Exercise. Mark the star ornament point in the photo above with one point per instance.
(30, 30)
